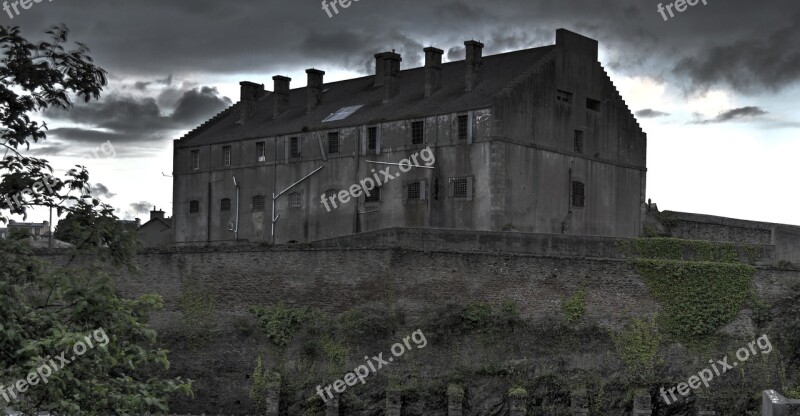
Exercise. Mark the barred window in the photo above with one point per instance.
(261, 154)
(258, 203)
(226, 155)
(578, 141)
(462, 127)
(372, 138)
(563, 96)
(460, 188)
(413, 191)
(333, 142)
(374, 196)
(578, 194)
(194, 207)
(417, 132)
(593, 105)
(294, 147)
(225, 205)
(294, 200)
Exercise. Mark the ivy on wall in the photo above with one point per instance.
(574, 307)
(198, 307)
(696, 250)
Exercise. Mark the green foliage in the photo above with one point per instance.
(477, 316)
(198, 306)
(455, 392)
(695, 250)
(335, 352)
(518, 393)
(280, 322)
(19, 233)
(490, 317)
(44, 311)
(263, 381)
(637, 344)
(369, 321)
(697, 298)
(87, 228)
(574, 307)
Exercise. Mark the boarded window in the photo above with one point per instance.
(194, 207)
(374, 196)
(258, 203)
(593, 105)
(225, 205)
(578, 141)
(333, 143)
(578, 194)
(417, 132)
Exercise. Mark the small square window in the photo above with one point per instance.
(462, 127)
(460, 188)
(225, 205)
(333, 143)
(374, 195)
(372, 138)
(578, 141)
(294, 200)
(195, 160)
(294, 147)
(226, 155)
(564, 97)
(417, 132)
(578, 194)
(258, 203)
(194, 207)
(593, 105)
(413, 193)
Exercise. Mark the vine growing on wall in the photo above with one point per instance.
(574, 307)
(637, 344)
(198, 306)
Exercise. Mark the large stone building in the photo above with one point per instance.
(537, 140)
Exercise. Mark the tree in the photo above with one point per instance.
(49, 310)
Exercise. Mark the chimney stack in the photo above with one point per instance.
(387, 73)
(250, 93)
(281, 95)
(433, 70)
(156, 214)
(314, 88)
(474, 63)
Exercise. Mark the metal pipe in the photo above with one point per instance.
(275, 197)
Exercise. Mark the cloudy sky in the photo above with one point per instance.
(715, 87)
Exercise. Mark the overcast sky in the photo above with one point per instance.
(715, 87)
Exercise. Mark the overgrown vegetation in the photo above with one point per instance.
(280, 322)
(198, 306)
(637, 345)
(574, 307)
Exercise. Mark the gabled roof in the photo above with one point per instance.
(498, 72)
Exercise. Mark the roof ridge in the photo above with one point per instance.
(208, 122)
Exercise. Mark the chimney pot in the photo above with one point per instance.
(474, 63)
(433, 70)
(250, 93)
(281, 95)
(314, 88)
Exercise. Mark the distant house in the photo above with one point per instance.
(38, 230)
(157, 232)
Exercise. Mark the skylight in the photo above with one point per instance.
(342, 113)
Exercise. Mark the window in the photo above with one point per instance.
(226, 155)
(374, 195)
(294, 200)
(593, 105)
(578, 141)
(333, 143)
(460, 188)
(294, 147)
(225, 205)
(258, 203)
(413, 191)
(195, 160)
(564, 97)
(578, 194)
(372, 138)
(462, 127)
(417, 132)
(261, 154)
(194, 207)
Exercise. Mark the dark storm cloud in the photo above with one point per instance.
(101, 190)
(650, 113)
(142, 207)
(736, 114)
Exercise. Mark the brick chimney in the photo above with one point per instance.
(281, 95)
(387, 73)
(250, 93)
(433, 70)
(314, 88)
(156, 214)
(474, 63)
